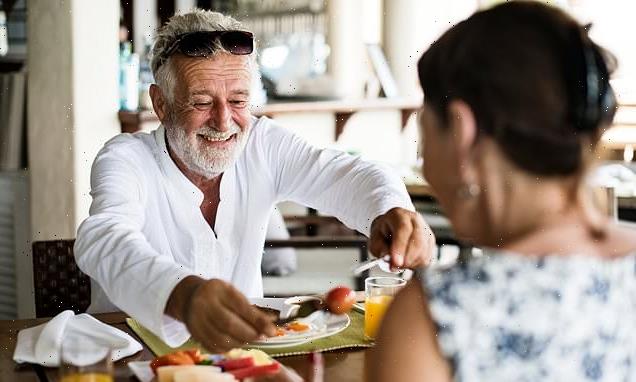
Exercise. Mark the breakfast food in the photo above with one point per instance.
(291, 327)
(340, 300)
(191, 365)
(201, 374)
(183, 372)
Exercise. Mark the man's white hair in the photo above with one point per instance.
(193, 21)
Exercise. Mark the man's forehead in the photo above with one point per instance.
(201, 74)
(221, 64)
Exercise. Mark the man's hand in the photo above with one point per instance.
(404, 236)
(217, 314)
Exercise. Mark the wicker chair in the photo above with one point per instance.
(59, 284)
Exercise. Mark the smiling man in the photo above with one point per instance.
(178, 220)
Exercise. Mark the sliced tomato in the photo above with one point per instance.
(237, 363)
(195, 354)
(158, 362)
(172, 359)
(256, 371)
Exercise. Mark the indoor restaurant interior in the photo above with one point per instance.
(394, 206)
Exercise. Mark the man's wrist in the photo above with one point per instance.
(180, 297)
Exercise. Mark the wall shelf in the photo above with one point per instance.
(342, 110)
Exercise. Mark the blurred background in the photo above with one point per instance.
(340, 73)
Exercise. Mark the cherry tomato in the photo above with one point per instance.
(339, 300)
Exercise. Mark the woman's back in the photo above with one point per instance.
(505, 317)
(508, 149)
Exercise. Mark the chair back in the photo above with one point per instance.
(59, 283)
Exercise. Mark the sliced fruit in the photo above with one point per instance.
(256, 371)
(237, 363)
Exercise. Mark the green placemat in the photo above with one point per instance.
(351, 337)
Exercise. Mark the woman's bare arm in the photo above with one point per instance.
(406, 348)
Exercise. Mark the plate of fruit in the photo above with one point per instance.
(193, 366)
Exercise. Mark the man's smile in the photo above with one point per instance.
(220, 142)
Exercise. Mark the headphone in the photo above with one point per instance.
(596, 103)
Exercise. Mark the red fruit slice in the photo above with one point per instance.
(256, 371)
(233, 364)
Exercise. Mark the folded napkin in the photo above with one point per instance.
(42, 344)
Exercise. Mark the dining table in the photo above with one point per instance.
(340, 365)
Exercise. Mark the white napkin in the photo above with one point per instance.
(41, 344)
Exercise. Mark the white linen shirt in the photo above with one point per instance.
(146, 232)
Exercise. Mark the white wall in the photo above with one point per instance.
(50, 118)
(72, 110)
(146, 22)
(613, 27)
(95, 90)
(410, 26)
(347, 61)
(72, 106)
(184, 5)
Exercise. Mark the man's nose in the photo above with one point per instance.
(222, 117)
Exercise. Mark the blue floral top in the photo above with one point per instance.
(505, 317)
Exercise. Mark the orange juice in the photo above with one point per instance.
(374, 309)
(87, 377)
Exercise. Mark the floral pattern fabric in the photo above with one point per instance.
(505, 317)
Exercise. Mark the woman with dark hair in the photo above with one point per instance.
(516, 98)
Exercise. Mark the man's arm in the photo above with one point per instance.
(365, 196)
(217, 314)
(112, 249)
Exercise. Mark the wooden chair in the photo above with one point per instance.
(59, 283)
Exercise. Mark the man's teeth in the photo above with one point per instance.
(216, 139)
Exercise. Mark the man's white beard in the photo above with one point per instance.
(206, 161)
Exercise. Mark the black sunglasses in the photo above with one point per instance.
(201, 44)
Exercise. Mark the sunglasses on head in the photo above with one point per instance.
(202, 44)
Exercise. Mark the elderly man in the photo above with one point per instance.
(178, 220)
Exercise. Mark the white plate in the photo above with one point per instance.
(142, 370)
(325, 326)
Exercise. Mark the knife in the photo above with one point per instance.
(305, 309)
(384, 263)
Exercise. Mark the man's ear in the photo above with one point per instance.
(159, 103)
(463, 127)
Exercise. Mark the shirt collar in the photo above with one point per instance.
(172, 172)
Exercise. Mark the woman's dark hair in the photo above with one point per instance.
(535, 81)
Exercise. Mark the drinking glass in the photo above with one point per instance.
(379, 292)
(85, 360)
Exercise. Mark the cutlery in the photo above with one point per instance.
(305, 309)
(384, 263)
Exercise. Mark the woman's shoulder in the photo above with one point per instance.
(620, 240)
(498, 273)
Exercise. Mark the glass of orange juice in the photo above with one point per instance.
(84, 360)
(379, 292)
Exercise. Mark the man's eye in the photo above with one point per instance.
(238, 102)
(199, 104)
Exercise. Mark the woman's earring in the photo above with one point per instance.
(468, 190)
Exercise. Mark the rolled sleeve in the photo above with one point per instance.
(333, 182)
